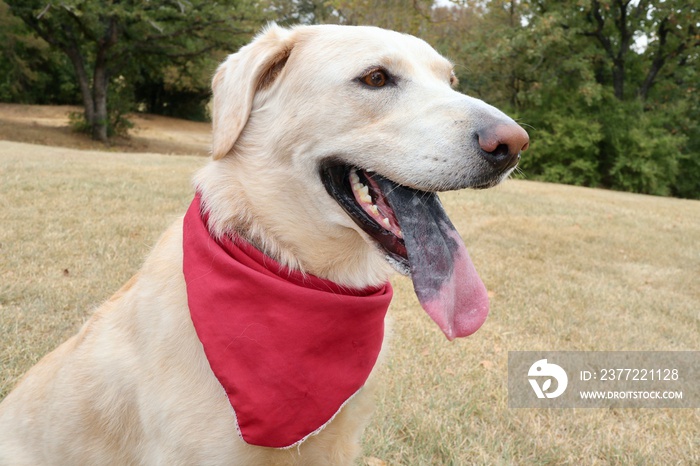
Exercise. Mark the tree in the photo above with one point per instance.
(29, 71)
(400, 15)
(647, 54)
(671, 28)
(289, 12)
(409, 16)
(117, 40)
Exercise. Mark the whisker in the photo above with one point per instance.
(526, 125)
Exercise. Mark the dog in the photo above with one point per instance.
(251, 333)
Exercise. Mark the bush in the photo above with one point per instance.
(118, 125)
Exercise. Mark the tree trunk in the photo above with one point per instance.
(615, 50)
(623, 49)
(651, 77)
(83, 82)
(100, 81)
(662, 55)
(100, 121)
(618, 73)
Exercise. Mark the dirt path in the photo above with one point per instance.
(48, 125)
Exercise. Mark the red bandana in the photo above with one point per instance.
(289, 349)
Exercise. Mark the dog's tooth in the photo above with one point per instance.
(373, 208)
(354, 178)
(364, 194)
(399, 233)
(386, 222)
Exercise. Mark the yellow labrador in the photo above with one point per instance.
(329, 144)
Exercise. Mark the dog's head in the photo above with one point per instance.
(329, 143)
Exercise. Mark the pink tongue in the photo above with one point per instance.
(460, 304)
(444, 278)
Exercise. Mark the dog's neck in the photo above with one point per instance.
(266, 217)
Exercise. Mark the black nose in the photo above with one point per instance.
(502, 143)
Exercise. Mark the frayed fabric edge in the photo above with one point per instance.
(298, 443)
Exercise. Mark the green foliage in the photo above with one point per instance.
(290, 12)
(641, 155)
(176, 91)
(78, 123)
(565, 151)
(30, 72)
(689, 162)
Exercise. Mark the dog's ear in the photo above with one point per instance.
(253, 68)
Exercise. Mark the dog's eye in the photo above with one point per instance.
(375, 78)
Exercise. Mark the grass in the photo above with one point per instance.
(567, 269)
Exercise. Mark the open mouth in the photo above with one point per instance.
(358, 192)
(418, 238)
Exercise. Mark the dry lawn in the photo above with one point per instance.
(49, 125)
(567, 268)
